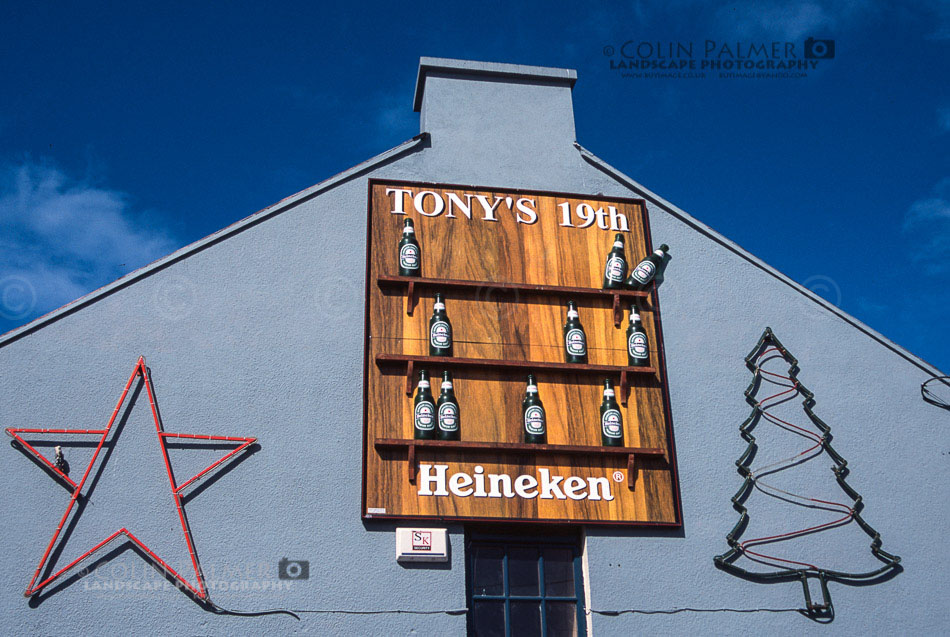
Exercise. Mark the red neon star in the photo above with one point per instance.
(199, 589)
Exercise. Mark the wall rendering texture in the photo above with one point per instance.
(260, 334)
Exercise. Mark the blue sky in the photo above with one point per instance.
(129, 131)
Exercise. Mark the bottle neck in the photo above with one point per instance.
(438, 307)
(572, 314)
(423, 384)
(446, 386)
(532, 389)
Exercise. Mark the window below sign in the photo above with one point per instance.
(524, 587)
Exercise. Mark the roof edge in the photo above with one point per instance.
(751, 258)
(211, 239)
(488, 69)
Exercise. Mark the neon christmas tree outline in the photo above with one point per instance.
(791, 569)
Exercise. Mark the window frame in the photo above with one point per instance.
(506, 541)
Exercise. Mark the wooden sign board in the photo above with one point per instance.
(507, 262)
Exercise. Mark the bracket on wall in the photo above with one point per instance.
(413, 362)
(413, 284)
(410, 298)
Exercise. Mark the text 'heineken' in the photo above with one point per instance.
(448, 410)
(616, 269)
(611, 420)
(638, 348)
(410, 258)
(641, 275)
(575, 340)
(423, 410)
(440, 330)
(532, 412)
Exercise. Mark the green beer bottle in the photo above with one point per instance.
(641, 275)
(575, 340)
(410, 258)
(440, 330)
(448, 409)
(611, 420)
(533, 417)
(423, 413)
(616, 269)
(638, 348)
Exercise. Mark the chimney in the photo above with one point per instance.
(504, 113)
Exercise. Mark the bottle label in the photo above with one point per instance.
(425, 416)
(448, 417)
(612, 424)
(637, 345)
(532, 389)
(575, 342)
(644, 271)
(440, 335)
(615, 269)
(409, 257)
(534, 420)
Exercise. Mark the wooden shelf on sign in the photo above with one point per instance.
(412, 283)
(518, 448)
(412, 362)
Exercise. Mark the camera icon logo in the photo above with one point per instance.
(819, 49)
(293, 569)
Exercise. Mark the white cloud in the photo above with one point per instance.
(943, 118)
(927, 225)
(789, 20)
(394, 115)
(60, 239)
(939, 15)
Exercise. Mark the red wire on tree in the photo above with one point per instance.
(819, 438)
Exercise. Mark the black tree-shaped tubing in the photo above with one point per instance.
(738, 549)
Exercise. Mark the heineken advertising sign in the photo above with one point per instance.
(499, 379)
(435, 480)
(523, 209)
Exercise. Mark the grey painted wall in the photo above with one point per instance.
(261, 334)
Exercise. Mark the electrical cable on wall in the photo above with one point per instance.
(929, 394)
(296, 612)
(819, 441)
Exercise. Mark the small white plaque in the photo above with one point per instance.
(415, 544)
